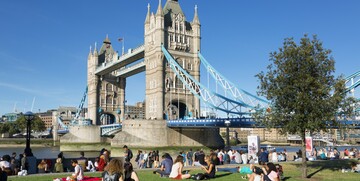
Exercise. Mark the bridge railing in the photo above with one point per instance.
(107, 129)
(214, 122)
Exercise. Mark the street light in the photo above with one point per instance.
(29, 116)
(227, 124)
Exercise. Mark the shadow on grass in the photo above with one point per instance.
(286, 178)
(222, 175)
(332, 165)
(317, 171)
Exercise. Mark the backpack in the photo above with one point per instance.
(199, 176)
(130, 155)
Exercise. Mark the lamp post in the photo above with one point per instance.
(227, 124)
(29, 116)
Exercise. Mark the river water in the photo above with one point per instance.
(296, 148)
(45, 152)
(52, 152)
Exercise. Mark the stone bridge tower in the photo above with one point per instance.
(166, 96)
(106, 93)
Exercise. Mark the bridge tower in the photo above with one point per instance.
(106, 93)
(166, 96)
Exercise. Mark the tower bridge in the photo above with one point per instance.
(170, 57)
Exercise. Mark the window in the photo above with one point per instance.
(108, 87)
(108, 100)
(179, 84)
(171, 37)
(189, 66)
(181, 27)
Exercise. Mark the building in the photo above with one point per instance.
(135, 112)
(11, 117)
(46, 117)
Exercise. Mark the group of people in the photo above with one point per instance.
(10, 165)
(147, 160)
(330, 154)
(175, 168)
(112, 169)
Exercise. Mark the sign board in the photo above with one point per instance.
(253, 145)
(309, 144)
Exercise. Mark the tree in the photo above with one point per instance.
(36, 124)
(302, 89)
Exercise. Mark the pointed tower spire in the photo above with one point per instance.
(95, 49)
(90, 53)
(159, 10)
(107, 40)
(196, 17)
(147, 20)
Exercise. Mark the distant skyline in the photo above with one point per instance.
(44, 44)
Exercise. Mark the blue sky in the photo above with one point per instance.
(44, 44)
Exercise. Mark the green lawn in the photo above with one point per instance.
(321, 170)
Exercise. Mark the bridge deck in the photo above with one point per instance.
(126, 59)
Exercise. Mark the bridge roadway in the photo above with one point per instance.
(215, 123)
(237, 123)
(132, 56)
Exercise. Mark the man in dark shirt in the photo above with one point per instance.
(166, 165)
(127, 154)
(263, 157)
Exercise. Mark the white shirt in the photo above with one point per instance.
(274, 157)
(145, 156)
(4, 164)
(230, 153)
(244, 158)
(79, 171)
(237, 157)
(175, 170)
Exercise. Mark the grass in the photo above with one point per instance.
(317, 171)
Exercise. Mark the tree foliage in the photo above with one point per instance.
(36, 124)
(20, 125)
(304, 93)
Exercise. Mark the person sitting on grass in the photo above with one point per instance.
(247, 170)
(58, 168)
(166, 165)
(355, 167)
(270, 172)
(209, 170)
(113, 171)
(129, 173)
(42, 167)
(78, 171)
(176, 170)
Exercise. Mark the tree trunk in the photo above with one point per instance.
(303, 159)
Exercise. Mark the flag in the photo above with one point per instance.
(120, 39)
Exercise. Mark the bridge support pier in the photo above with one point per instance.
(155, 133)
(81, 134)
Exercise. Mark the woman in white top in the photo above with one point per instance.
(274, 156)
(176, 170)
